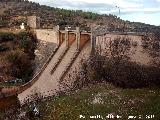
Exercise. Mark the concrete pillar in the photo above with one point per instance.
(67, 36)
(93, 40)
(61, 38)
(57, 35)
(98, 39)
(78, 35)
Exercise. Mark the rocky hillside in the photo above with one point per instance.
(13, 13)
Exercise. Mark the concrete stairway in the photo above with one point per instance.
(70, 74)
(58, 57)
(65, 62)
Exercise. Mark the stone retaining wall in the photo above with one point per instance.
(137, 53)
(48, 35)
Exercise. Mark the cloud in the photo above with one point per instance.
(144, 10)
(133, 10)
(121, 3)
(106, 6)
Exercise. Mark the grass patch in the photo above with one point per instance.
(102, 99)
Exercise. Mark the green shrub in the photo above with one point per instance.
(6, 36)
(22, 35)
(3, 48)
(12, 57)
(27, 41)
(130, 74)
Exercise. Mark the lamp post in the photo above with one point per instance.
(119, 11)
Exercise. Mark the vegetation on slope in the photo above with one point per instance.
(15, 11)
(16, 55)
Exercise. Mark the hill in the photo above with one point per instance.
(13, 13)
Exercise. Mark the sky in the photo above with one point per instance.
(145, 11)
